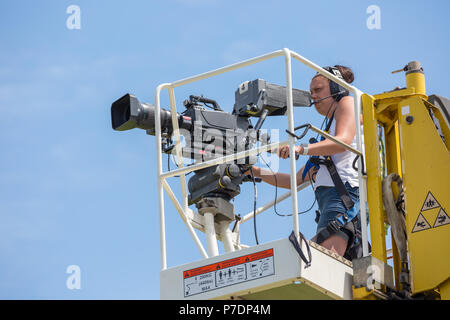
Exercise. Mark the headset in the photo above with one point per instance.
(336, 91)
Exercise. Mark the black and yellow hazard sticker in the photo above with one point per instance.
(422, 223)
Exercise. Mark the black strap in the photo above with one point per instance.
(340, 187)
(298, 248)
(349, 232)
(332, 228)
(328, 126)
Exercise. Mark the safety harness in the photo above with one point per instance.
(344, 224)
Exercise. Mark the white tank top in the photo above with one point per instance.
(343, 162)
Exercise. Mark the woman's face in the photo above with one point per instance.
(320, 89)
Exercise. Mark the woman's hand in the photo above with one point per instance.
(283, 152)
(256, 171)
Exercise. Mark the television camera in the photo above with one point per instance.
(210, 132)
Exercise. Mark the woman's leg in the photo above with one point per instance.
(330, 206)
(336, 244)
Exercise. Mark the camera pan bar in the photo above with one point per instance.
(326, 135)
(231, 157)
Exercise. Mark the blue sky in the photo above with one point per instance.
(75, 192)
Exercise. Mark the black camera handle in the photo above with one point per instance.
(307, 126)
(202, 99)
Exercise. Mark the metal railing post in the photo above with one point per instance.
(292, 140)
(176, 135)
(362, 181)
(159, 185)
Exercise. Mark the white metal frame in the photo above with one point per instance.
(183, 209)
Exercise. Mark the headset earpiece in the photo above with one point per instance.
(334, 87)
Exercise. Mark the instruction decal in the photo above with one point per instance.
(430, 203)
(228, 272)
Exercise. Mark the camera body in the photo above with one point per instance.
(209, 132)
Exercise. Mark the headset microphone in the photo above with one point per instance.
(331, 95)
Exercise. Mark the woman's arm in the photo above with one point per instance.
(282, 180)
(345, 131)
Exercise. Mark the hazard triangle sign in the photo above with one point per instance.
(430, 202)
(421, 224)
(441, 219)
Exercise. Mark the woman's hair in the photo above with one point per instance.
(346, 73)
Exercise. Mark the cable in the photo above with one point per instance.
(325, 119)
(254, 205)
(168, 165)
(276, 194)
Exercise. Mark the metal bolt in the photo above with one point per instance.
(409, 119)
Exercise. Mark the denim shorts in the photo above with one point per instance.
(330, 204)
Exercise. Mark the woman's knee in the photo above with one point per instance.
(336, 244)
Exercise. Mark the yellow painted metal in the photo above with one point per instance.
(363, 294)
(374, 191)
(426, 178)
(392, 96)
(392, 146)
(416, 80)
(444, 290)
(416, 152)
(393, 165)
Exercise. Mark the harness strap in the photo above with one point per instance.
(332, 228)
(315, 161)
(348, 231)
(298, 248)
(312, 161)
(310, 164)
(340, 187)
(350, 214)
(340, 222)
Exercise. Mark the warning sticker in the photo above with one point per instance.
(430, 202)
(441, 219)
(421, 224)
(228, 272)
